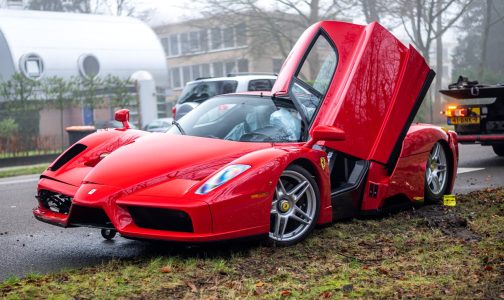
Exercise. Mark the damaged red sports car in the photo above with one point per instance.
(333, 139)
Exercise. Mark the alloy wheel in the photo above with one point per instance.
(437, 170)
(294, 207)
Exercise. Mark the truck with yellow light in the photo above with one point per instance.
(477, 113)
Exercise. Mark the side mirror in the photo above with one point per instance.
(325, 133)
(123, 116)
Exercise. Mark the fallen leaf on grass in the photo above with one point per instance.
(258, 291)
(166, 269)
(194, 289)
(285, 293)
(259, 284)
(326, 295)
(383, 271)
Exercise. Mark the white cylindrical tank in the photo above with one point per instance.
(40, 44)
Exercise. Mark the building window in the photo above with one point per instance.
(230, 67)
(164, 43)
(205, 70)
(186, 74)
(195, 72)
(228, 37)
(174, 45)
(184, 43)
(203, 37)
(218, 69)
(243, 65)
(241, 34)
(194, 41)
(277, 65)
(31, 65)
(175, 78)
(216, 36)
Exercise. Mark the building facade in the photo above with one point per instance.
(194, 50)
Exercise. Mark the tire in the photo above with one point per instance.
(437, 173)
(498, 149)
(108, 234)
(295, 207)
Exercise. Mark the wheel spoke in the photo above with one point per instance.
(429, 177)
(282, 188)
(435, 183)
(302, 213)
(301, 188)
(280, 226)
(435, 154)
(295, 217)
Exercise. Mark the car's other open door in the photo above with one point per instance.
(360, 79)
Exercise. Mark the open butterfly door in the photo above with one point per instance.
(359, 79)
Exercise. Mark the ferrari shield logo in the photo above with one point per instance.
(323, 163)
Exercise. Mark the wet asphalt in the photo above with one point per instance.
(29, 246)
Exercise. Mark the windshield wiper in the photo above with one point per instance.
(178, 127)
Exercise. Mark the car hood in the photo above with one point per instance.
(159, 157)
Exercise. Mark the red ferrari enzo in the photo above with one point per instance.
(332, 140)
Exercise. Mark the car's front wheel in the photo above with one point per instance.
(436, 174)
(498, 149)
(295, 207)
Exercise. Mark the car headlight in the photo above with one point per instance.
(222, 177)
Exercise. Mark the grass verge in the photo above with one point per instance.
(23, 170)
(414, 254)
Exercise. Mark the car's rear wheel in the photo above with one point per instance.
(295, 207)
(498, 149)
(436, 174)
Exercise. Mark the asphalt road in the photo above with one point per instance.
(27, 245)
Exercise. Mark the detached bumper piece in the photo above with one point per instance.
(55, 202)
(161, 219)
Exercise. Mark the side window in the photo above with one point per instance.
(314, 76)
(228, 86)
(260, 85)
(318, 67)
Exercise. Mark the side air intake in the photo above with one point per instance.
(67, 156)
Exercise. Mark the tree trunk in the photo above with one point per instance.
(369, 8)
(439, 66)
(484, 40)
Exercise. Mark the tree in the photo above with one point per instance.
(77, 6)
(425, 22)
(127, 8)
(479, 51)
(275, 26)
(60, 94)
(372, 9)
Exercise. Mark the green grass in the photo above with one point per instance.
(399, 256)
(23, 170)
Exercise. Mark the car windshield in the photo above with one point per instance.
(243, 118)
(201, 91)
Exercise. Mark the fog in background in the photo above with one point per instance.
(457, 37)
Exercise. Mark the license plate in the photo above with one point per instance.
(463, 120)
(473, 118)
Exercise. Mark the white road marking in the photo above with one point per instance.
(19, 181)
(467, 170)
